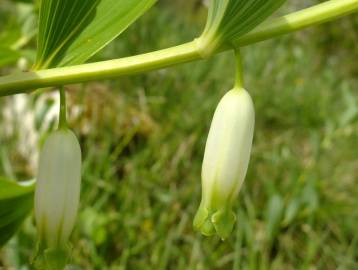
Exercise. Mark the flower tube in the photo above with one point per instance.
(57, 191)
(225, 163)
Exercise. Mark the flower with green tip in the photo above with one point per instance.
(57, 191)
(225, 163)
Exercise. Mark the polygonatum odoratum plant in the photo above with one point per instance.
(69, 33)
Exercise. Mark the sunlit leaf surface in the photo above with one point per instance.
(71, 31)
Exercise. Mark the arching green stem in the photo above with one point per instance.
(318, 14)
(28, 81)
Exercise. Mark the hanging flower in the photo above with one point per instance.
(57, 191)
(226, 160)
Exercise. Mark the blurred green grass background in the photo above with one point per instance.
(143, 139)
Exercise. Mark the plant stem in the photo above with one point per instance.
(28, 81)
(327, 11)
(239, 83)
(63, 109)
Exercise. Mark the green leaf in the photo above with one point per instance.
(16, 201)
(230, 19)
(71, 31)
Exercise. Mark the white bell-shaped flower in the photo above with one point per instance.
(57, 191)
(226, 160)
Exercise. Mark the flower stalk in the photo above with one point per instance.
(239, 81)
(63, 112)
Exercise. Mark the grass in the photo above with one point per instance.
(143, 139)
